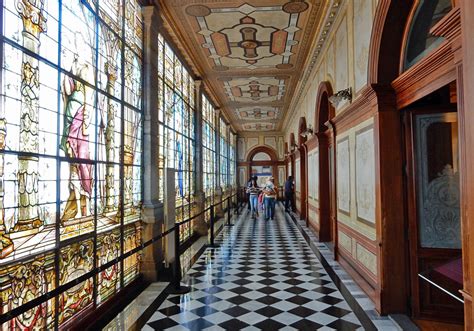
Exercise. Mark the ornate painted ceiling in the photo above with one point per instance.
(251, 53)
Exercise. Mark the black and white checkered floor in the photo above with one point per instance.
(263, 277)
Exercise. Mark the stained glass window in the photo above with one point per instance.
(224, 154)
(71, 150)
(176, 120)
(209, 151)
(232, 162)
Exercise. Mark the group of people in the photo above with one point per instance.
(266, 196)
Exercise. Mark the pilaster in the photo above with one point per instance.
(152, 207)
(199, 225)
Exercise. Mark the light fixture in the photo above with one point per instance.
(307, 132)
(341, 95)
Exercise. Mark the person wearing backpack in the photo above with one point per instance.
(270, 192)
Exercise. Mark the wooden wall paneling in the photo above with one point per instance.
(435, 71)
(390, 225)
(324, 190)
(466, 118)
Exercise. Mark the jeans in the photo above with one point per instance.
(269, 207)
(254, 203)
(288, 201)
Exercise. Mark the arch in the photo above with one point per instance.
(324, 110)
(262, 149)
(301, 128)
(271, 164)
(386, 41)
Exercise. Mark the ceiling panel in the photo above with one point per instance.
(251, 52)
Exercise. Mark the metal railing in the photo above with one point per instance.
(176, 264)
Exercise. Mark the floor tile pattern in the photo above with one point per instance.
(262, 277)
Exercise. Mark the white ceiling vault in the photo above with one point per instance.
(251, 54)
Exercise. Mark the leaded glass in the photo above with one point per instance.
(209, 152)
(71, 151)
(224, 155)
(176, 129)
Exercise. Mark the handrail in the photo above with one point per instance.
(15, 312)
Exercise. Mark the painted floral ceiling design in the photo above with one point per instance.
(250, 52)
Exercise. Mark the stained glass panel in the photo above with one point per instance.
(176, 140)
(209, 152)
(70, 136)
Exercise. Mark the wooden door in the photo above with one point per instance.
(434, 228)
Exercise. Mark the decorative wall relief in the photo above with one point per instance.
(281, 175)
(365, 175)
(343, 176)
(367, 258)
(251, 142)
(297, 176)
(313, 175)
(281, 148)
(241, 149)
(271, 141)
(242, 176)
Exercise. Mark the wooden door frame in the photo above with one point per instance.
(323, 130)
(409, 115)
(303, 153)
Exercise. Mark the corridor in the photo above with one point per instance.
(263, 276)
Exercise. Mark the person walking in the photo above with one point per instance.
(249, 183)
(289, 192)
(253, 192)
(270, 194)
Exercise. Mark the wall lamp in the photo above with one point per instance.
(293, 147)
(308, 132)
(336, 98)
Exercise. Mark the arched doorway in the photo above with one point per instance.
(408, 46)
(326, 163)
(262, 162)
(301, 175)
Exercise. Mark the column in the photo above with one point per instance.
(152, 207)
(199, 224)
(34, 23)
(219, 189)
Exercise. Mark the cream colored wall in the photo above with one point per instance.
(247, 142)
(356, 171)
(343, 61)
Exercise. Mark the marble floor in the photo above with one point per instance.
(263, 276)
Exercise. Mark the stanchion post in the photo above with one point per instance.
(176, 287)
(211, 220)
(228, 212)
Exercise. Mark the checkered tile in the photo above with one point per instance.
(263, 277)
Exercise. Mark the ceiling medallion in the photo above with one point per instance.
(295, 7)
(198, 10)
